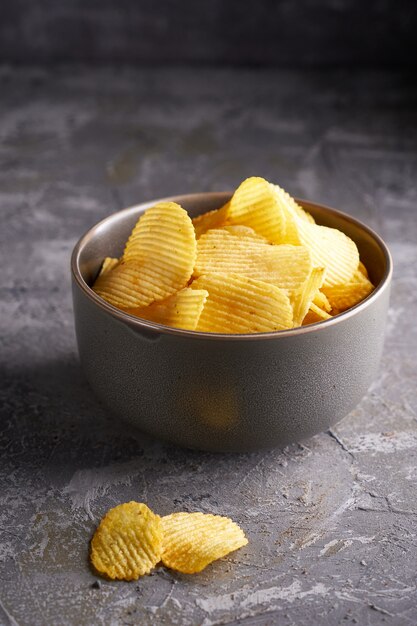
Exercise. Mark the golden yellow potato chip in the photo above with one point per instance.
(163, 240)
(331, 249)
(289, 203)
(158, 259)
(346, 295)
(292, 213)
(194, 540)
(322, 302)
(255, 204)
(181, 310)
(238, 304)
(302, 299)
(315, 314)
(128, 542)
(211, 219)
(285, 266)
(303, 214)
(127, 286)
(108, 264)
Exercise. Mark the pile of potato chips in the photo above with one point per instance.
(131, 540)
(258, 264)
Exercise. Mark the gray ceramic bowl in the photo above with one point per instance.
(227, 392)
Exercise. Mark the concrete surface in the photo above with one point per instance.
(331, 521)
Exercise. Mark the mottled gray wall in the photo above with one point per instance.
(284, 33)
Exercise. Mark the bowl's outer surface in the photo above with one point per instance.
(228, 393)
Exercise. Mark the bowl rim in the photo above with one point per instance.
(140, 324)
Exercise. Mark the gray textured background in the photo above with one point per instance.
(277, 32)
(331, 522)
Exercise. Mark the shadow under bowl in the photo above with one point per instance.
(227, 392)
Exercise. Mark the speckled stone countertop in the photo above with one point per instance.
(331, 521)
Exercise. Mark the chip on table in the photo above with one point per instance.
(131, 540)
(128, 542)
(194, 540)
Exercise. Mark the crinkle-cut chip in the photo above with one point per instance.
(362, 269)
(292, 213)
(128, 286)
(331, 249)
(165, 231)
(238, 304)
(255, 204)
(303, 214)
(285, 266)
(303, 298)
(289, 202)
(181, 310)
(243, 231)
(128, 542)
(322, 302)
(211, 219)
(344, 296)
(194, 540)
(108, 264)
(158, 259)
(315, 314)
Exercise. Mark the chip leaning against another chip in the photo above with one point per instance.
(211, 219)
(194, 540)
(238, 304)
(158, 259)
(254, 204)
(181, 310)
(219, 251)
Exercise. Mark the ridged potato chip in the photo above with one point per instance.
(322, 302)
(126, 285)
(108, 264)
(163, 242)
(181, 310)
(158, 259)
(285, 266)
(211, 219)
(128, 542)
(346, 295)
(303, 214)
(331, 249)
(238, 304)
(302, 299)
(255, 204)
(194, 540)
(292, 213)
(315, 314)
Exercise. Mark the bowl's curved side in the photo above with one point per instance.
(233, 396)
(227, 392)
